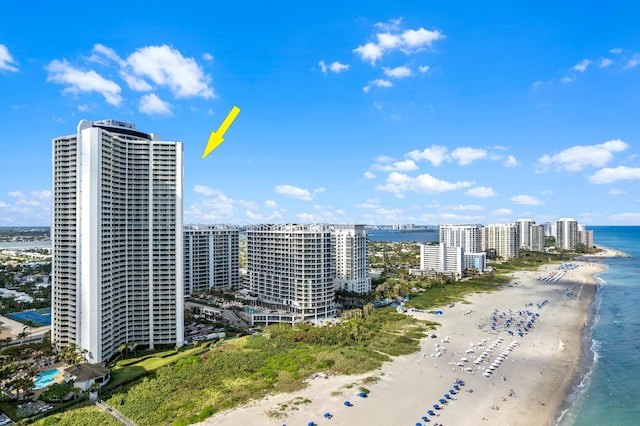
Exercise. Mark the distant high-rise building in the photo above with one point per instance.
(211, 258)
(290, 267)
(465, 236)
(524, 232)
(566, 233)
(442, 258)
(503, 238)
(585, 237)
(537, 239)
(117, 239)
(350, 251)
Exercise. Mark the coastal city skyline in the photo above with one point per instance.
(410, 113)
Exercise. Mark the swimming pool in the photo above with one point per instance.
(44, 379)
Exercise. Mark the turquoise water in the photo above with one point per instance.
(609, 389)
(404, 236)
(44, 379)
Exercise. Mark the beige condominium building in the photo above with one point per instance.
(117, 239)
(290, 268)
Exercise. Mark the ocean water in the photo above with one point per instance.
(609, 388)
(403, 236)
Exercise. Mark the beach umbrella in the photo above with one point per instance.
(456, 387)
(431, 413)
(327, 415)
(436, 406)
(442, 401)
(348, 404)
(451, 391)
(362, 395)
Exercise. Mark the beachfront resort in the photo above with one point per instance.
(484, 357)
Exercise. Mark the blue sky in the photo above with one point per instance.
(412, 112)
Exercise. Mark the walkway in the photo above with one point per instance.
(115, 413)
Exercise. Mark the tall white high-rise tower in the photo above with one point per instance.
(117, 239)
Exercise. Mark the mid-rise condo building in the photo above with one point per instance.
(566, 233)
(501, 239)
(211, 258)
(465, 236)
(290, 267)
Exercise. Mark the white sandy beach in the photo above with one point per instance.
(527, 388)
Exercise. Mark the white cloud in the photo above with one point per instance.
(467, 155)
(78, 81)
(578, 157)
(253, 216)
(388, 40)
(392, 25)
(335, 67)
(616, 50)
(626, 218)
(398, 166)
(270, 204)
(7, 63)
(511, 161)
(377, 83)
(567, 79)
(614, 191)
(582, 65)
(538, 84)
(481, 192)
(167, 67)
(398, 72)
(214, 206)
(294, 192)
(605, 62)
(369, 52)
(383, 215)
(368, 205)
(436, 155)
(502, 212)
(633, 61)
(33, 208)
(323, 66)
(420, 38)
(207, 57)
(369, 175)
(205, 190)
(424, 68)
(467, 207)
(151, 104)
(398, 183)
(527, 200)
(609, 175)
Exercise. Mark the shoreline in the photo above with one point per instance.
(537, 377)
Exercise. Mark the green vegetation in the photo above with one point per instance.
(189, 387)
(85, 414)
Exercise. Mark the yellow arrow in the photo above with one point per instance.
(216, 138)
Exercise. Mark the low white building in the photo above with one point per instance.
(85, 375)
(442, 258)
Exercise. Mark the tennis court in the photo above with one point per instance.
(41, 317)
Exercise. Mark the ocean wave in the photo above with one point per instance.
(600, 280)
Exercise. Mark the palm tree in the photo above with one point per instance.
(122, 347)
(30, 325)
